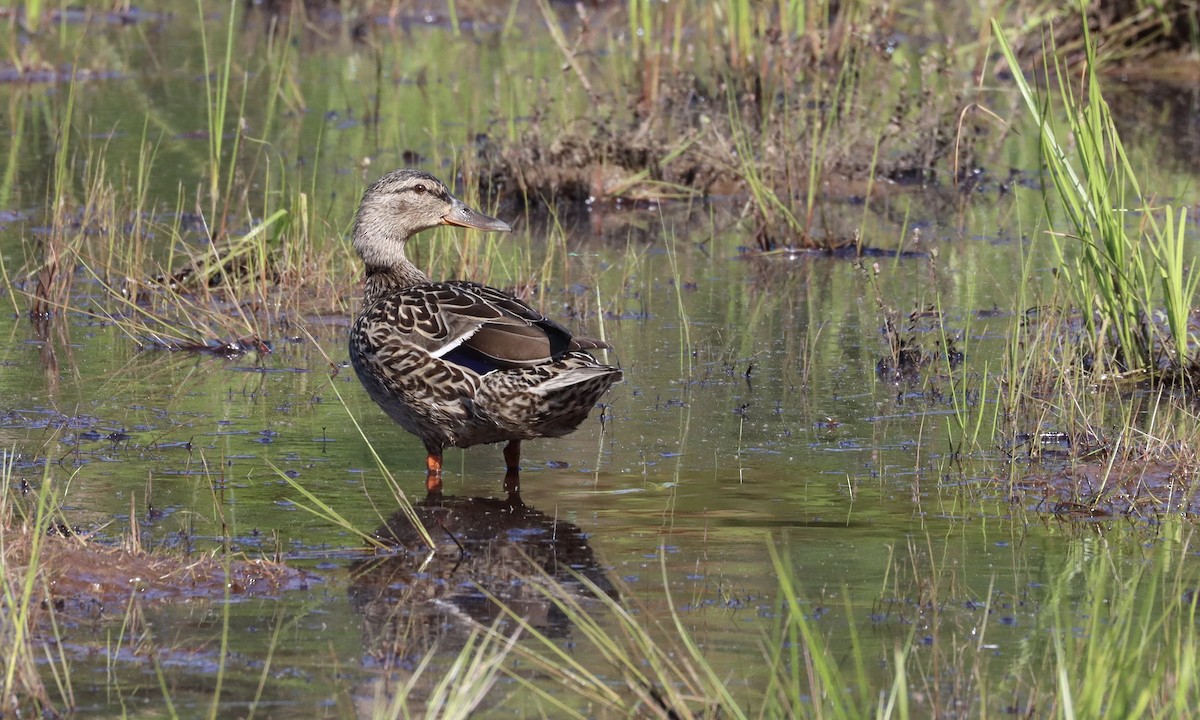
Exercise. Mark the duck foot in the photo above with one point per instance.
(514, 502)
(512, 464)
(433, 473)
(512, 482)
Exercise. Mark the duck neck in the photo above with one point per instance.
(382, 281)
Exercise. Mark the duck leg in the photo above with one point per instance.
(433, 473)
(512, 466)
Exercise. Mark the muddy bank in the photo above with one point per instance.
(83, 579)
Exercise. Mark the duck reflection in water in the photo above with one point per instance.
(415, 597)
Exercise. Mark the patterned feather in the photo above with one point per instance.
(458, 363)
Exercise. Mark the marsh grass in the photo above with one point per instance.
(51, 574)
(1109, 632)
(1137, 650)
(107, 260)
(1066, 416)
(784, 208)
(662, 670)
(1025, 414)
(249, 266)
(22, 532)
(211, 272)
(1134, 32)
(437, 688)
(1112, 634)
(1066, 412)
(792, 104)
(1120, 275)
(224, 282)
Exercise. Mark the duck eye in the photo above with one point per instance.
(419, 189)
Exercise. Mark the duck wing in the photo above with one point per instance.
(476, 326)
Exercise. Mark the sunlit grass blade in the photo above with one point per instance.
(398, 493)
(1113, 270)
(23, 685)
(319, 508)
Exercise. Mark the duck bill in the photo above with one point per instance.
(463, 216)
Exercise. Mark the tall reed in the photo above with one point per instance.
(1120, 273)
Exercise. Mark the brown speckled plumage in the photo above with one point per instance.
(458, 363)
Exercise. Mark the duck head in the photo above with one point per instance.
(402, 204)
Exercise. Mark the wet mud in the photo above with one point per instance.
(82, 579)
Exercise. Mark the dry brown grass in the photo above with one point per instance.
(77, 575)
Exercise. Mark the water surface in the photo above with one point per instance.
(753, 413)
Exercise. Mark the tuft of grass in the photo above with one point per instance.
(217, 89)
(25, 651)
(664, 672)
(1115, 636)
(1128, 645)
(462, 687)
(1120, 273)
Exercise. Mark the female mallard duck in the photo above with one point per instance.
(457, 363)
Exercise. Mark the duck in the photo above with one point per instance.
(457, 363)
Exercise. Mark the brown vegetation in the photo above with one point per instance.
(82, 578)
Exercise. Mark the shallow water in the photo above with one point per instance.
(753, 413)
